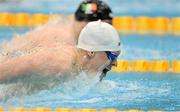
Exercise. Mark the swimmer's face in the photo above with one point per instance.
(97, 61)
(101, 61)
(112, 58)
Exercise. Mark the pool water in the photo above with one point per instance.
(123, 91)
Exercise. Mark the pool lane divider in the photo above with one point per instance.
(147, 66)
(159, 25)
(41, 109)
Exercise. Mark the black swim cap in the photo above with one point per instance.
(93, 10)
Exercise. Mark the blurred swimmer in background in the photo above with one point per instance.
(51, 49)
(92, 10)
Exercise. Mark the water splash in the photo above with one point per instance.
(35, 87)
(78, 87)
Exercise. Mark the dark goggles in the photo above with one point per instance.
(111, 56)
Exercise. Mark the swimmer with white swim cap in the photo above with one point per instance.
(100, 38)
(49, 54)
(97, 51)
(44, 50)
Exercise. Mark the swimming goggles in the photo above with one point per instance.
(111, 56)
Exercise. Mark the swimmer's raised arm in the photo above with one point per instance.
(42, 62)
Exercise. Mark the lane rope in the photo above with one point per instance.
(160, 25)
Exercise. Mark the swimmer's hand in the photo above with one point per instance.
(104, 73)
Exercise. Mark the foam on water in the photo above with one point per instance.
(119, 92)
(79, 86)
(56, 88)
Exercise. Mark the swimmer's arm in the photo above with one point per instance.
(42, 63)
(14, 67)
(24, 65)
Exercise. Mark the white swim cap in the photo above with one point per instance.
(99, 36)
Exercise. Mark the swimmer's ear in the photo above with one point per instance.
(91, 54)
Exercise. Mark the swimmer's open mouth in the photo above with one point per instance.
(104, 73)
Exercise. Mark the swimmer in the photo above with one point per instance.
(56, 35)
(97, 51)
(51, 39)
(92, 10)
